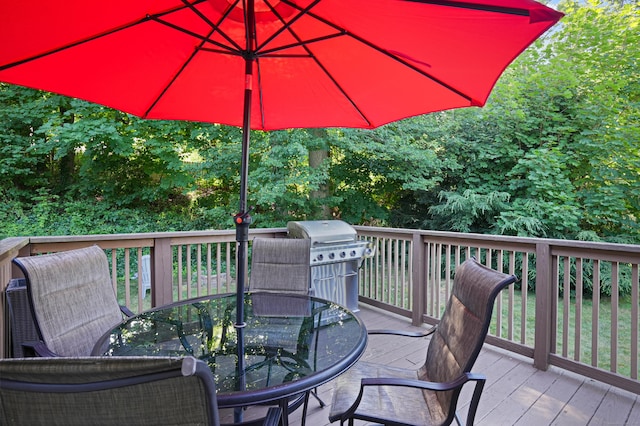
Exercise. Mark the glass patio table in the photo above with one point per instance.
(289, 344)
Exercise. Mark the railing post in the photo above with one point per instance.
(161, 272)
(417, 278)
(9, 249)
(544, 307)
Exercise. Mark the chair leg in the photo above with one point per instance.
(314, 392)
(284, 406)
(475, 400)
(304, 408)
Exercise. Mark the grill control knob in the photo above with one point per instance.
(332, 255)
(342, 254)
(320, 257)
(353, 253)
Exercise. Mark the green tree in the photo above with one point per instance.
(581, 108)
(554, 153)
(374, 171)
(559, 134)
(23, 113)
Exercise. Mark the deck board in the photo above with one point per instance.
(516, 393)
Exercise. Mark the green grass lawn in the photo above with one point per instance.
(585, 330)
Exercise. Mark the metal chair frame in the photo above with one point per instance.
(429, 395)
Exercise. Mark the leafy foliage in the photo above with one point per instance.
(559, 135)
(554, 153)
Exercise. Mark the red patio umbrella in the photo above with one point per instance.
(268, 64)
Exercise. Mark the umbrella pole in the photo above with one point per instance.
(242, 219)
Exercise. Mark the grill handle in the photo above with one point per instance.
(351, 274)
(321, 243)
(332, 277)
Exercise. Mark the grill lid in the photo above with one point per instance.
(322, 232)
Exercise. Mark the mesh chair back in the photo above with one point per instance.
(107, 391)
(290, 326)
(280, 265)
(458, 339)
(72, 298)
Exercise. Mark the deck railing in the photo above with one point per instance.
(555, 313)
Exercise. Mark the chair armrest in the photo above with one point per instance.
(273, 416)
(415, 383)
(38, 348)
(422, 384)
(126, 311)
(421, 333)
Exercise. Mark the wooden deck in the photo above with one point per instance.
(516, 393)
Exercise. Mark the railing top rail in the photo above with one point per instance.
(9, 246)
(559, 245)
(134, 236)
(45, 244)
(144, 235)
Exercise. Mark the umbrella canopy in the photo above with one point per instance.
(316, 63)
(268, 64)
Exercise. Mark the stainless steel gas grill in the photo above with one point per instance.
(336, 256)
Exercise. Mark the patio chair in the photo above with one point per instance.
(280, 265)
(109, 391)
(428, 396)
(72, 299)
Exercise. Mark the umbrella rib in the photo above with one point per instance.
(223, 51)
(481, 7)
(71, 45)
(215, 27)
(86, 40)
(396, 58)
(191, 33)
(287, 25)
(344, 32)
(173, 79)
(340, 88)
(301, 43)
(260, 97)
(304, 45)
(391, 55)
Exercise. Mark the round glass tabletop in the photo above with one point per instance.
(288, 344)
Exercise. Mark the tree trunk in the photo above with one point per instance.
(67, 163)
(316, 158)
